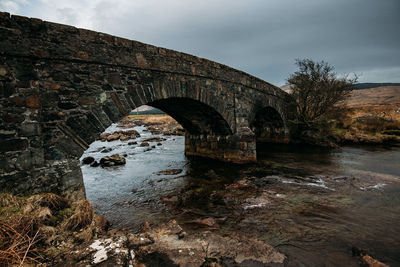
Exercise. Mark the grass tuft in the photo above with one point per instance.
(82, 217)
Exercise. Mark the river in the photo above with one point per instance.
(313, 205)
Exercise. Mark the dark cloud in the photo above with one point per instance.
(260, 37)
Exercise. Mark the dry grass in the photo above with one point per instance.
(18, 237)
(29, 226)
(380, 101)
(372, 116)
(151, 119)
(82, 217)
(52, 201)
(7, 200)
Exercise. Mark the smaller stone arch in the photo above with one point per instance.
(269, 126)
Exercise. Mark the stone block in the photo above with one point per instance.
(25, 72)
(13, 118)
(7, 89)
(13, 144)
(5, 134)
(29, 129)
(32, 101)
(82, 55)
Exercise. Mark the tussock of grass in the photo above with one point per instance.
(30, 226)
(82, 217)
(52, 201)
(7, 200)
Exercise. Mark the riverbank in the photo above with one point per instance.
(48, 230)
(361, 127)
(369, 116)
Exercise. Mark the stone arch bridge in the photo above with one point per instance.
(61, 86)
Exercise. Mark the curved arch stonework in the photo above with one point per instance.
(61, 86)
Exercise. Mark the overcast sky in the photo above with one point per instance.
(261, 37)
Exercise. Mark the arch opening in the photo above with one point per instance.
(195, 117)
(268, 126)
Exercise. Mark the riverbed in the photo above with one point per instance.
(315, 206)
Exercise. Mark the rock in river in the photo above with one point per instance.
(170, 172)
(94, 164)
(88, 160)
(144, 144)
(112, 160)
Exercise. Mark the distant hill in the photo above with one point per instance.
(144, 110)
(375, 96)
(359, 86)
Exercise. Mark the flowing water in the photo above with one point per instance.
(313, 205)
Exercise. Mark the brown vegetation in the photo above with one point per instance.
(82, 217)
(32, 228)
(156, 124)
(372, 117)
(18, 237)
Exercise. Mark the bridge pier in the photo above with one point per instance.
(233, 148)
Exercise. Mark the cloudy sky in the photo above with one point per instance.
(261, 37)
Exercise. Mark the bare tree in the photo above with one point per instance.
(317, 89)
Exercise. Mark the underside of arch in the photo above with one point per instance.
(197, 118)
(268, 126)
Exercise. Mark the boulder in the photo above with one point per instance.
(87, 160)
(144, 144)
(112, 137)
(124, 137)
(113, 160)
(95, 164)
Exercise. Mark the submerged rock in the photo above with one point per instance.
(154, 139)
(112, 160)
(170, 172)
(144, 144)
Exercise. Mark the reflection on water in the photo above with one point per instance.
(313, 205)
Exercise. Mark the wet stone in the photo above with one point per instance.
(170, 172)
(13, 145)
(88, 160)
(113, 160)
(106, 150)
(95, 164)
(30, 129)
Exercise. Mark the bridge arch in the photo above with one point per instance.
(61, 86)
(269, 126)
(195, 117)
